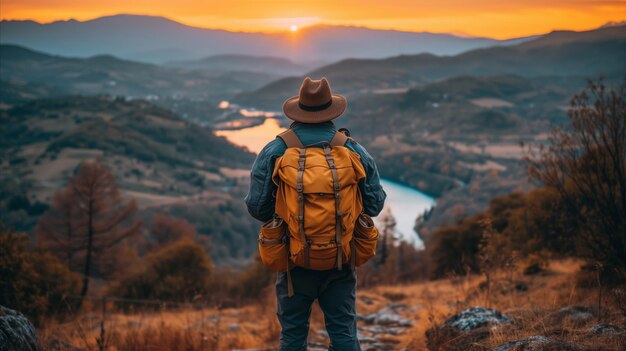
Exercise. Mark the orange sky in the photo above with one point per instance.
(491, 18)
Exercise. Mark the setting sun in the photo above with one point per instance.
(501, 19)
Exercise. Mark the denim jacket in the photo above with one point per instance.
(260, 199)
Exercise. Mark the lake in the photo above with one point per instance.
(404, 203)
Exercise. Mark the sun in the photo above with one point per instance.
(293, 28)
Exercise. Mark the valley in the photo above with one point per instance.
(450, 126)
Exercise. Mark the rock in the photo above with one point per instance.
(606, 329)
(376, 330)
(388, 316)
(537, 343)
(233, 327)
(578, 312)
(316, 346)
(16, 331)
(375, 346)
(322, 333)
(476, 317)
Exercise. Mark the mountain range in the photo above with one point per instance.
(106, 74)
(158, 39)
(588, 54)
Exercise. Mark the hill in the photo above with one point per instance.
(164, 162)
(261, 64)
(125, 36)
(16, 92)
(106, 74)
(582, 54)
(461, 136)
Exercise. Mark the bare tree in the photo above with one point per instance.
(585, 163)
(92, 218)
(388, 229)
(56, 228)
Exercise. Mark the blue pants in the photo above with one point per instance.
(335, 290)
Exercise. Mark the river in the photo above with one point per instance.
(404, 203)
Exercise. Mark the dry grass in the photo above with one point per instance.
(534, 305)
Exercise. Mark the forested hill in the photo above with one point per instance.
(106, 74)
(166, 163)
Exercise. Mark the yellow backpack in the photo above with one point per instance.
(318, 205)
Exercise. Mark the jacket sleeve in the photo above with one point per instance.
(260, 199)
(372, 192)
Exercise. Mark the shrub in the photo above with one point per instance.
(179, 272)
(34, 283)
(529, 226)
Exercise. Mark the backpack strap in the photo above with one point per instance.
(339, 139)
(338, 214)
(291, 139)
(300, 190)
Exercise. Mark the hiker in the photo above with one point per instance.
(316, 189)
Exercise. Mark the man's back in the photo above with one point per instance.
(260, 201)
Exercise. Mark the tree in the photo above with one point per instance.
(586, 164)
(56, 228)
(94, 218)
(387, 234)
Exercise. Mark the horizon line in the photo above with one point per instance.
(458, 34)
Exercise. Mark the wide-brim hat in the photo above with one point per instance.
(315, 104)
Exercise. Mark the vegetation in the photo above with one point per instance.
(178, 272)
(491, 240)
(34, 282)
(586, 166)
(88, 219)
(579, 212)
(152, 153)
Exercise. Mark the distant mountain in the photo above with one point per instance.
(261, 64)
(106, 74)
(582, 54)
(158, 39)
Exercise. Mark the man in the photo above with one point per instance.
(312, 112)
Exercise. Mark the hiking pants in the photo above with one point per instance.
(335, 291)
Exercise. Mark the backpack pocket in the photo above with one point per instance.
(365, 239)
(274, 245)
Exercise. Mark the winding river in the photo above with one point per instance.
(404, 203)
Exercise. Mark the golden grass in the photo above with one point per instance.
(535, 310)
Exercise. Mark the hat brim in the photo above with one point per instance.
(292, 110)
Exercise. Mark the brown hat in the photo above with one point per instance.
(315, 104)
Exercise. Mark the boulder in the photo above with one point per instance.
(465, 329)
(606, 329)
(476, 317)
(16, 331)
(537, 343)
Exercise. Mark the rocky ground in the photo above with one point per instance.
(550, 310)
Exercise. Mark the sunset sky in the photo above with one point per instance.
(489, 18)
